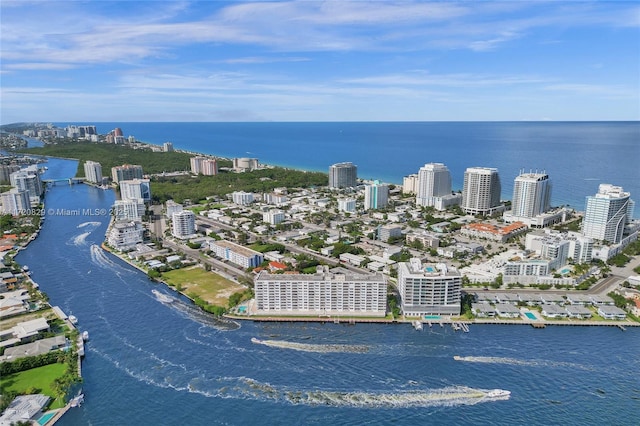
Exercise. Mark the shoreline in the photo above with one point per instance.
(442, 321)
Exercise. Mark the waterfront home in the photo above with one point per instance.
(38, 347)
(578, 311)
(531, 299)
(507, 298)
(483, 310)
(507, 310)
(23, 332)
(24, 408)
(611, 312)
(553, 311)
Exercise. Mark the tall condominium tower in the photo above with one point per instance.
(434, 180)
(126, 172)
(343, 175)
(531, 194)
(428, 289)
(606, 213)
(481, 191)
(93, 172)
(376, 196)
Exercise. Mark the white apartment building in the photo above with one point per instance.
(167, 147)
(236, 253)
(275, 198)
(242, 198)
(376, 196)
(183, 224)
(124, 235)
(531, 195)
(385, 232)
(131, 209)
(481, 191)
(323, 294)
(16, 202)
(273, 216)
(429, 289)
(172, 207)
(434, 181)
(607, 213)
(93, 172)
(347, 205)
(135, 189)
(28, 179)
(579, 247)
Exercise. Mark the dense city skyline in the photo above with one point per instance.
(319, 61)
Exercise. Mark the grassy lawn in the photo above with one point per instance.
(209, 286)
(39, 378)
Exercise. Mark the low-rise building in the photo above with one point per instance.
(493, 232)
(611, 312)
(236, 253)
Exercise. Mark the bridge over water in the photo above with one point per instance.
(69, 181)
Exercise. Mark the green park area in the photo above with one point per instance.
(209, 286)
(35, 380)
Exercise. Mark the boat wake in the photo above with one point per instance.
(80, 240)
(308, 347)
(514, 361)
(96, 224)
(100, 258)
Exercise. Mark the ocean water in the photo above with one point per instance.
(152, 363)
(578, 156)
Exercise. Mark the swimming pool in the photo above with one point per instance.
(46, 417)
(530, 316)
(429, 269)
(432, 317)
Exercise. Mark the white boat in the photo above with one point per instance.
(85, 335)
(161, 296)
(77, 400)
(498, 393)
(258, 341)
(417, 325)
(73, 320)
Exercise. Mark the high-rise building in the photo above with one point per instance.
(245, 164)
(531, 195)
(273, 216)
(343, 175)
(607, 213)
(6, 170)
(428, 289)
(93, 172)
(376, 196)
(410, 184)
(172, 207)
(322, 293)
(210, 167)
(28, 179)
(183, 224)
(167, 147)
(16, 202)
(242, 198)
(134, 189)
(125, 235)
(126, 172)
(481, 191)
(434, 180)
(132, 209)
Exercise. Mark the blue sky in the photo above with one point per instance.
(319, 61)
